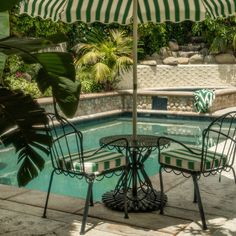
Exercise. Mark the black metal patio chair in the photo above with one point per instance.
(216, 154)
(69, 158)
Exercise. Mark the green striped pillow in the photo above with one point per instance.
(183, 159)
(203, 99)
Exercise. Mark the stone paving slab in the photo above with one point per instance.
(217, 198)
(21, 211)
(20, 219)
(152, 221)
(15, 223)
(9, 191)
(58, 202)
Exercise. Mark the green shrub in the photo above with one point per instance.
(20, 76)
(220, 34)
(15, 82)
(90, 86)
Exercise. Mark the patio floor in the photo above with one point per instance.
(21, 210)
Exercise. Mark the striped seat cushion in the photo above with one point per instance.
(101, 161)
(183, 159)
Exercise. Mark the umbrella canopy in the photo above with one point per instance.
(121, 11)
(126, 12)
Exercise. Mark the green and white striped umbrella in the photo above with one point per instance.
(126, 12)
(121, 11)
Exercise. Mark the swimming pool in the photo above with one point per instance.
(188, 131)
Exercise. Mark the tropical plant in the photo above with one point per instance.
(220, 34)
(22, 124)
(152, 38)
(22, 121)
(20, 76)
(103, 57)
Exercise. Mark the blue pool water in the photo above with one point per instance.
(188, 131)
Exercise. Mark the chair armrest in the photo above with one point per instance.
(171, 140)
(108, 145)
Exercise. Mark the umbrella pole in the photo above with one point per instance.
(135, 62)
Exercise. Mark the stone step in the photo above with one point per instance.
(197, 39)
(192, 47)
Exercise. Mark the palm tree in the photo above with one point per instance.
(103, 57)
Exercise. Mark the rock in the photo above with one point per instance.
(173, 45)
(165, 52)
(155, 56)
(148, 57)
(204, 52)
(190, 47)
(170, 61)
(197, 39)
(187, 54)
(148, 62)
(183, 60)
(196, 59)
(159, 61)
(225, 58)
(203, 45)
(209, 59)
(229, 51)
(175, 54)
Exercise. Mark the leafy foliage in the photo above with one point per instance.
(102, 58)
(153, 37)
(220, 34)
(22, 123)
(26, 26)
(20, 76)
(20, 83)
(57, 67)
(9, 4)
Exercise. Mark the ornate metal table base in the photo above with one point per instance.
(141, 195)
(143, 202)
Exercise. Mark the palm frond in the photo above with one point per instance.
(124, 63)
(101, 72)
(89, 58)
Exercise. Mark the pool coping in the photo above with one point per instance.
(152, 112)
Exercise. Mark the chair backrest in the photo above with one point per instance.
(219, 143)
(67, 148)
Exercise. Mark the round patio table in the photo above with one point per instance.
(141, 196)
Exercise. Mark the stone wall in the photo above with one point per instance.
(91, 104)
(181, 103)
(159, 76)
(95, 103)
(223, 100)
(176, 101)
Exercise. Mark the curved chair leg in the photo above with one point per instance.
(199, 201)
(86, 207)
(49, 190)
(162, 191)
(220, 177)
(194, 195)
(125, 194)
(91, 198)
